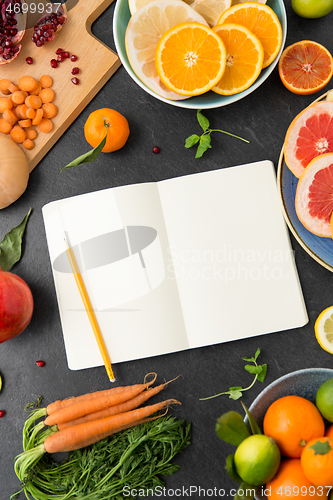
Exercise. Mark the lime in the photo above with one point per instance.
(312, 8)
(324, 329)
(324, 399)
(257, 459)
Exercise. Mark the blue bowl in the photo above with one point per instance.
(210, 99)
(304, 383)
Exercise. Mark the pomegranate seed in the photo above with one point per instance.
(74, 58)
(2, 413)
(29, 60)
(156, 150)
(66, 55)
(40, 363)
(75, 80)
(59, 51)
(54, 63)
(61, 57)
(75, 71)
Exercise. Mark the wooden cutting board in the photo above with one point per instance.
(95, 60)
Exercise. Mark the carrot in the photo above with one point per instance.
(18, 97)
(46, 81)
(33, 101)
(5, 127)
(50, 110)
(12, 88)
(45, 125)
(31, 133)
(78, 436)
(5, 103)
(9, 116)
(116, 409)
(46, 95)
(57, 405)
(4, 84)
(28, 144)
(31, 113)
(27, 83)
(91, 405)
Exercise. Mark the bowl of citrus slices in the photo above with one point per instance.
(202, 53)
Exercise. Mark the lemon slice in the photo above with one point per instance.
(143, 33)
(324, 329)
(211, 10)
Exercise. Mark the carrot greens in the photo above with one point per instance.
(134, 459)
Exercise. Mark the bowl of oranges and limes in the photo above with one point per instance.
(202, 53)
(297, 412)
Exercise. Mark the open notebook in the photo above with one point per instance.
(181, 263)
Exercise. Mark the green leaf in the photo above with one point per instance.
(249, 359)
(230, 467)
(231, 428)
(87, 157)
(262, 375)
(11, 245)
(237, 388)
(203, 121)
(246, 491)
(253, 424)
(235, 395)
(257, 354)
(204, 144)
(253, 369)
(321, 447)
(192, 140)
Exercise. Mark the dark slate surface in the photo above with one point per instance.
(263, 118)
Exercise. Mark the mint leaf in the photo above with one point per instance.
(257, 354)
(204, 144)
(11, 245)
(87, 157)
(253, 369)
(248, 359)
(192, 140)
(235, 395)
(203, 121)
(262, 375)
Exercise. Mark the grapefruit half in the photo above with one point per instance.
(309, 135)
(314, 196)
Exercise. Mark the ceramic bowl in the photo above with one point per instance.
(304, 383)
(210, 99)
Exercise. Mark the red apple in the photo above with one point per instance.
(16, 305)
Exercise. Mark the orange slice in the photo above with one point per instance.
(262, 21)
(245, 57)
(190, 59)
(143, 32)
(305, 67)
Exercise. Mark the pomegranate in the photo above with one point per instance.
(13, 21)
(49, 25)
(16, 305)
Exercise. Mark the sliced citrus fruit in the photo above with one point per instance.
(310, 134)
(135, 5)
(262, 21)
(190, 59)
(211, 10)
(143, 32)
(314, 195)
(235, 2)
(245, 56)
(305, 67)
(324, 329)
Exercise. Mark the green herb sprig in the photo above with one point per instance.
(11, 245)
(204, 139)
(91, 155)
(258, 370)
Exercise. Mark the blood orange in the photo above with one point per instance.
(309, 135)
(305, 67)
(314, 195)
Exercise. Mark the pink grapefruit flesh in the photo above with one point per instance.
(314, 196)
(309, 135)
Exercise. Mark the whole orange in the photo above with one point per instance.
(317, 461)
(117, 129)
(290, 481)
(293, 421)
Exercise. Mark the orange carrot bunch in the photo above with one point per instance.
(80, 421)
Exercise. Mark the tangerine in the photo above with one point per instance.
(317, 461)
(293, 421)
(290, 481)
(117, 129)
